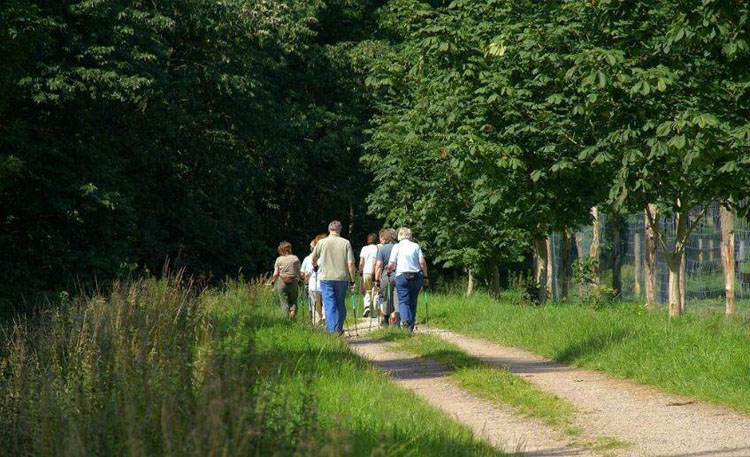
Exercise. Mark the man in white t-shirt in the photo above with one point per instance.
(410, 267)
(312, 277)
(367, 258)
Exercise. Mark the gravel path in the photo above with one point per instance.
(500, 427)
(653, 422)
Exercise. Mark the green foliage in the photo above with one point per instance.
(519, 116)
(189, 130)
(585, 271)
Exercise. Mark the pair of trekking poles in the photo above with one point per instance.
(388, 293)
(353, 302)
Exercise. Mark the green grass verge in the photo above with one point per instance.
(706, 357)
(498, 385)
(155, 368)
(372, 416)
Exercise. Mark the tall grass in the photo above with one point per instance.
(705, 356)
(156, 368)
(136, 372)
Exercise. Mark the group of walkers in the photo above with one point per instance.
(392, 270)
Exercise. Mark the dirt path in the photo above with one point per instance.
(653, 422)
(500, 427)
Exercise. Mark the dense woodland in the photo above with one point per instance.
(205, 132)
(200, 133)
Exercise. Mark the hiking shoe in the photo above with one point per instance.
(366, 313)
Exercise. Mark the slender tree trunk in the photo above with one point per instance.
(683, 281)
(495, 270)
(649, 265)
(616, 255)
(565, 267)
(675, 308)
(711, 247)
(595, 248)
(471, 285)
(727, 258)
(541, 270)
(551, 270)
(700, 250)
(637, 264)
(674, 262)
(581, 254)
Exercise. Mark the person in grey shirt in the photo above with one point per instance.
(387, 283)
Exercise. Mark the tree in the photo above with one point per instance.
(673, 128)
(198, 132)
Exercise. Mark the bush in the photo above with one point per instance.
(526, 285)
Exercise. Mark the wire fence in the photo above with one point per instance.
(704, 273)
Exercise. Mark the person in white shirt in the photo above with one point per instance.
(408, 262)
(367, 258)
(312, 277)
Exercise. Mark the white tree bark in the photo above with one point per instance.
(728, 260)
(595, 248)
(649, 264)
(470, 287)
(541, 270)
(551, 273)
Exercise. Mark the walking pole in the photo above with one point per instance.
(374, 309)
(311, 296)
(354, 314)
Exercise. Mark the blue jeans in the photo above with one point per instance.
(408, 292)
(334, 301)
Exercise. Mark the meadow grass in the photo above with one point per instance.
(158, 368)
(703, 356)
(498, 385)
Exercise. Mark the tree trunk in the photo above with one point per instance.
(711, 248)
(683, 281)
(700, 250)
(565, 266)
(675, 263)
(541, 270)
(471, 285)
(675, 302)
(637, 265)
(495, 270)
(616, 255)
(727, 258)
(551, 270)
(649, 265)
(581, 254)
(595, 248)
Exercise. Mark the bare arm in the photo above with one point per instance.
(423, 264)
(391, 266)
(378, 270)
(361, 264)
(276, 274)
